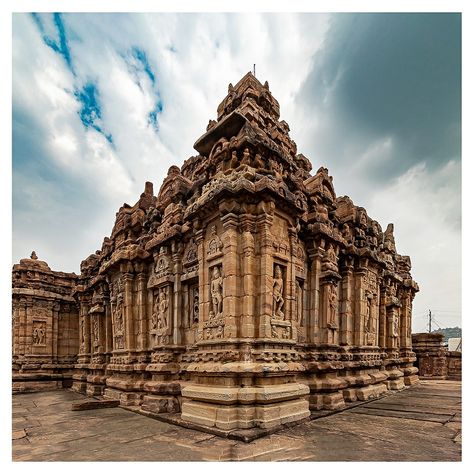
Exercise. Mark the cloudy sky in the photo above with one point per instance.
(104, 102)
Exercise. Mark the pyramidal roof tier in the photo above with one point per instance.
(248, 156)
(250, 109)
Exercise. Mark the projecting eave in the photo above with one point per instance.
(228, 127)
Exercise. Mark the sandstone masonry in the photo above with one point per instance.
(245, 294)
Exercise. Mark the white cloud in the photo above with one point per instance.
(425, 208)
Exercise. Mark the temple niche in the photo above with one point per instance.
(245, 294)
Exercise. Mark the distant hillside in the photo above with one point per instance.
(449, 332)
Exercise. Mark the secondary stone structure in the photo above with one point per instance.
(44, 326)
(245, 293)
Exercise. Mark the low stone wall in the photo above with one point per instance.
(454, 363)
(433, 360)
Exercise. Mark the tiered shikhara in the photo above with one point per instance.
(246, 293)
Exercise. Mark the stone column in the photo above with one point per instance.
(23, 327)
(346, 332)
(16, 328)
(55, 330)
(176, 335)
(108, 323)
(290, 297)
(247, 324)
(231, 270)
(360, 306)
(406, 314)
(128, 311)
(203, 282)
(265, 296)
(84, 330)
(383, 321)
(142, 294)
(314, 323)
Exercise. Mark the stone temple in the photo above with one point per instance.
(244, 295)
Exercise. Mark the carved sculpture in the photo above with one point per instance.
(278, 298)
(216, 293)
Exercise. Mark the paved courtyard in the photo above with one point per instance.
(422, 423)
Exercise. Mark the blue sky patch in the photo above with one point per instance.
(139, 65)
(144, 65)
(91, 113)
(60, 45)
(153, 115)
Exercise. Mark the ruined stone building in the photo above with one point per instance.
(244, 294)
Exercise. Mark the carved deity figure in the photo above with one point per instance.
(370, 324)
(82, 331)
(195, 318)
(118, 315)
(216, 292)
(346, 233)
(278, 299)
(395, 325)
(95, 323)
(156, 312)
(38, 336)
(246, 158)
(163, 309)
(215, 243)
(259, 163)
(332, 297)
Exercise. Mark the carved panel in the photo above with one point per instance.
(39, 333)
(278, 293)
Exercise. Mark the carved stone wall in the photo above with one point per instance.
(245, 293)
(44, 326)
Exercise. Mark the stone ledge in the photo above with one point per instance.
(245, 435)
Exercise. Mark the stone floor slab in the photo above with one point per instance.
(422, 423)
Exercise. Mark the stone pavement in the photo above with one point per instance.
(422, 423)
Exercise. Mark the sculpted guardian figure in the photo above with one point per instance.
(163, 309)
(278, 300)
(216, 292)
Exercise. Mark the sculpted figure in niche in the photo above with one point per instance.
(259, 163)
(216, 292)
(395, 325)
(38, 336)
(156, 312)
(367, 316)
(278, 299)
(163, 309)
(195, 305)
(215, 244)
(346, 233)
(246, 158)
(96, 330)
(234, 160)
(118, 316)
(332, 305)
(82, 331)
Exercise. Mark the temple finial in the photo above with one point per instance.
(33, 256)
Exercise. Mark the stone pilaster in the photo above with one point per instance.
(265, 286)
(231, 274)
(247, 323)
(346, 332)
